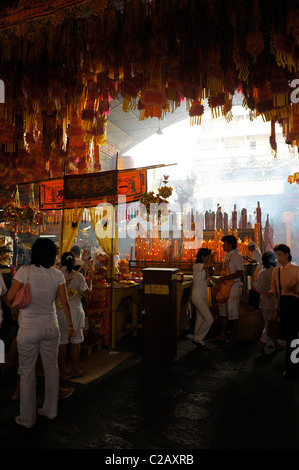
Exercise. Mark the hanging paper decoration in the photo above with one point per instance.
(279, 87)
(291, 128)
(215, 73)
(173, 92)
(254, 43)
(272, 139)
(154, 54)
(154, 97)
(284, 51)
(196, 112)
(241, 59)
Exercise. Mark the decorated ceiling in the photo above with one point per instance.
(64, 62)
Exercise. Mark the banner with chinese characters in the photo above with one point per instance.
(90, 190)
(90, 185)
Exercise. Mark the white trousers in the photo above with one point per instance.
(230, 309)
(32, 339)
(204, 319)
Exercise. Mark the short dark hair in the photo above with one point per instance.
(285, 249)
(68, 260)
(43, 253)
(201, 253)
(76, 250)
(268, 259)
(231, 240)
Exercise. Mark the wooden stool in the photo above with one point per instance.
(91, 341)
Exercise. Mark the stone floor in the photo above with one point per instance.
(228, 398)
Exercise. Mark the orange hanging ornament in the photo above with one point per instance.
(284, 52)
(195, 112)
(216, 103)
(293, 134)
(254, 43)
(241, 59)
(272, 140)
(214, 73)
(264, 102)
(154, 97)
(173, 92)
(279, 87)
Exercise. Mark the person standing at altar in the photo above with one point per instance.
(116, 259)
(204, 318)
(228, 289)
(266, 304)
(256, 257)
(78, 285)
(76, 250)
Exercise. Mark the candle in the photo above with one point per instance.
(131, 255)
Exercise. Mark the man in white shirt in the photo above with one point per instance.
(116, 260)
(255, 257)
(231, 278)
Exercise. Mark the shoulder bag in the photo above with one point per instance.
(22, 299)
(275, 329)
(254, 298)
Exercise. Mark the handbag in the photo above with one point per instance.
(254, 298)
(274, 327)
(22, 298)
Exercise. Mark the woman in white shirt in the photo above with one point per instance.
(39, 331)
(204, 318)
(77, 282)
(267, 305)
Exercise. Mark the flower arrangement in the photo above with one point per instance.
(123, 266)
(293, 178)
(164, 192)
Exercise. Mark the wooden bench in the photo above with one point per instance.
(93, 340)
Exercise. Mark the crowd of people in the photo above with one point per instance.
(277, 281)
(46, 327)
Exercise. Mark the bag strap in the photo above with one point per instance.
(28, 273)
(279, 281)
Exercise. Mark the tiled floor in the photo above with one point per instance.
(228, 398)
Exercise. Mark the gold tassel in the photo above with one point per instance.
(243, 72)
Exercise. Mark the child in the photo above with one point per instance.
(77, 282)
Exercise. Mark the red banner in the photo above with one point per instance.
(130, 185)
